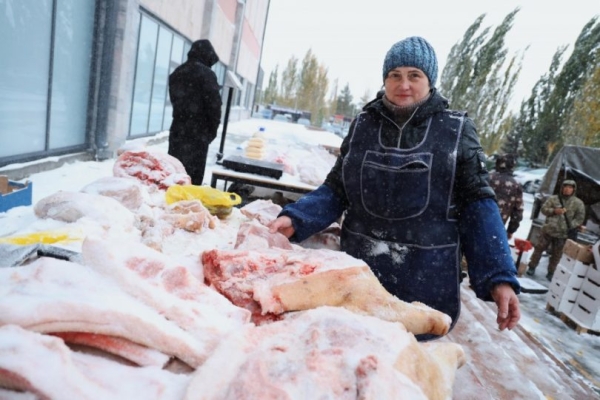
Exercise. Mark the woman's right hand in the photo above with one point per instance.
(282, 225)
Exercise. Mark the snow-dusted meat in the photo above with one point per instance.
(329, 238)
(325, 353)
(166, 286)
(254, 236)
(51, 295)
(71, 206)
(140, 355)
(127, 191)
(152, 168)
(44, 366)
(190, 215)
(264, 211)
(274, 281)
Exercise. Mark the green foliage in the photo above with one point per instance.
(302, 88)
(479, 78)
(289, 83)
(344, 104)
(555, 96)
(270, 95)
(583, 123)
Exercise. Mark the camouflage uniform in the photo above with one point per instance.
(509, 196)
(555, 230)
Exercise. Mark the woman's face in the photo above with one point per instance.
(405, 86)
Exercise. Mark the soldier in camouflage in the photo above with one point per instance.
(509, 194)
(555, 230)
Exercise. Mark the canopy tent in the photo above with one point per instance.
(581, 164)
(578, 163)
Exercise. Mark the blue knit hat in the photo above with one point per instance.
(412, 52)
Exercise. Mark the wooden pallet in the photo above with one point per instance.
(571, 323)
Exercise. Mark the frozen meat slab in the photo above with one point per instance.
(273, 281)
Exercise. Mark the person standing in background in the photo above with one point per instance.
(196, 99)
(563, 211)
(509, 194)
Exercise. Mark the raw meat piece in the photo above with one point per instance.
(326, 353)
(329, 238)
(274, 281)
(166, 286)
(151, 168)
(52, 295)
(140, 355)
(253, 236)
(264, 211)
(190, 215)
(127, 191)
(71, 206)
(43, 365)
(315, 171)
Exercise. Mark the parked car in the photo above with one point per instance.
(530, 179)
(303, 121)
(282, 117)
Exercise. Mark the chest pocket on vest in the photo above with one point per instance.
(395, 186)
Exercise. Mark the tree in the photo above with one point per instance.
(556, 101)
(271, 90)
(480, 79)
(344, 104)
(312, 87)
(289, 83)
(583, 123)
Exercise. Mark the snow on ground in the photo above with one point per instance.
(579, 352)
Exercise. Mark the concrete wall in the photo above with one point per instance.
(187, 16)
(121, 90)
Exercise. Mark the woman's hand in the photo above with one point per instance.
(282, 225)
(508, 306)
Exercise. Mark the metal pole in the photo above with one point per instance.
(225, 121)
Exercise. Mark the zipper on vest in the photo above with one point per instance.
(401, 128)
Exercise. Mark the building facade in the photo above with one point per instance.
(84, 76)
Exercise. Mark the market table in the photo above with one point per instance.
(285, 183)
(507, 364)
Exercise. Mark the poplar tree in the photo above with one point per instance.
(480, 78)
(583, 123)
(270, 95)
(560, 92)
(289, 83)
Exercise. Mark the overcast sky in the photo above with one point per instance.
(351, 37)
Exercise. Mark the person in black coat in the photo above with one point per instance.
(196, 99)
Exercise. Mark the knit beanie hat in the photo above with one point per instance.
(412, 52)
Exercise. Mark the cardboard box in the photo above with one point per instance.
(560, 303)
(585, 317)
(14, 194)
(578, 251)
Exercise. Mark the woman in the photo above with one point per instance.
(412, 185)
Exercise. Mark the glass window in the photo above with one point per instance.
(143, 76)
(24, 59)
(161, 76)
(177, 58)
(71, 73)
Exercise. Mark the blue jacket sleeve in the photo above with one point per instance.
(313, 212)
(485, 245)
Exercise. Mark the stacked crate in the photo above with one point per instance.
(569, 277)
(586, 310)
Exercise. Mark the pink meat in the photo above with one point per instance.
(53, 296)
(269, 282)
(325, 353)
(152, 168)
(44, 366)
